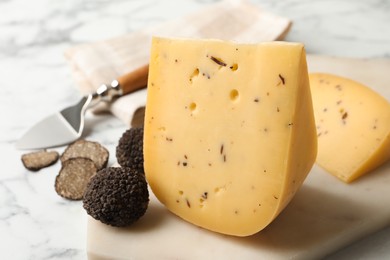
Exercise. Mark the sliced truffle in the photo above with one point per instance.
(117, 196)
(87, 149)
(129, 151)
(73, 177)
(35, 161)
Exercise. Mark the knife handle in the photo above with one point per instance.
(134, 80)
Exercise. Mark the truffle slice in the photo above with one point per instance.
(87, 149)
(73, 177)
(129, 151)
(35, 161)
(117, 196)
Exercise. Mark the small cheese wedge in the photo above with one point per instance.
(229, 130)
(353, 126)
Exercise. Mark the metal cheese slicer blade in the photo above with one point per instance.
(58, 129)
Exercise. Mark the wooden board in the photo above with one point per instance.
(324, 216)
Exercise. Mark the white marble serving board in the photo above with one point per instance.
(324, 216)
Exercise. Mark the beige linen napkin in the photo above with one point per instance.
(100, 62)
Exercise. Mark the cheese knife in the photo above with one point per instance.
(67, 125)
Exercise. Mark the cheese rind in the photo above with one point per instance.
(229, 130)
(353, 125)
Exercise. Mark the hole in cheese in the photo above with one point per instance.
(234, 67)
(192, 106)
(234, 95)
(195, 73)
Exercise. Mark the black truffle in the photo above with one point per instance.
(117, 196)
(138, 117)
(129, 151)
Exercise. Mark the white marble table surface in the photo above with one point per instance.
(35, 223)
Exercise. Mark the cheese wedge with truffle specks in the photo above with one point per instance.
(353, 126)
(229, 130)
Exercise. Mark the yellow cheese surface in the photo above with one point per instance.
(229, 130)
(353, 126)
